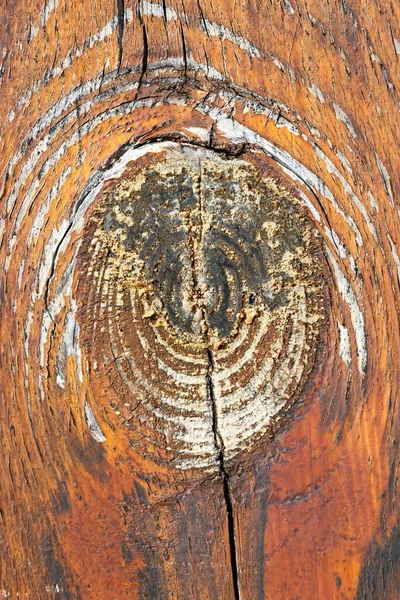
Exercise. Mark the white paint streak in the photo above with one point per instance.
(278, 64)
(71, 339)
(58, 303)
(395, 256)
(45, 205)
(315, 91)
(93, 425)
(288, 7)
(27, 329)
(336, 243)
(347, 188)
(341, 115)
(345, 163)
(218, 30)
(310, 206)
(48, 254)
(200, 132)
(386, 180)
(34, 30)
(20, 273)
(372, 201)
(157, 10)
(344, 344)
(49, 7)
(357, 317)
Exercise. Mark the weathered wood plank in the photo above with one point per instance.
(140, 455)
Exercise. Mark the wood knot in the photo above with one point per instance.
(201, 298)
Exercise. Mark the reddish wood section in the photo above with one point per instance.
(104, 493)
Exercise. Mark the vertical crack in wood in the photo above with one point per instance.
(211, 397)
(219, 446)
(184, 51)
(121, 26)
(145, 50)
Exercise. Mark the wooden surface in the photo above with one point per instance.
(254, 143)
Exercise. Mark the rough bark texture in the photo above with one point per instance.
(200, 240)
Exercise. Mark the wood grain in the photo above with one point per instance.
(112, 113)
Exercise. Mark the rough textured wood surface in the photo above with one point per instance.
(199, 367)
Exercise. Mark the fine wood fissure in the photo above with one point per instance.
(121, 27)
(219, 446)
